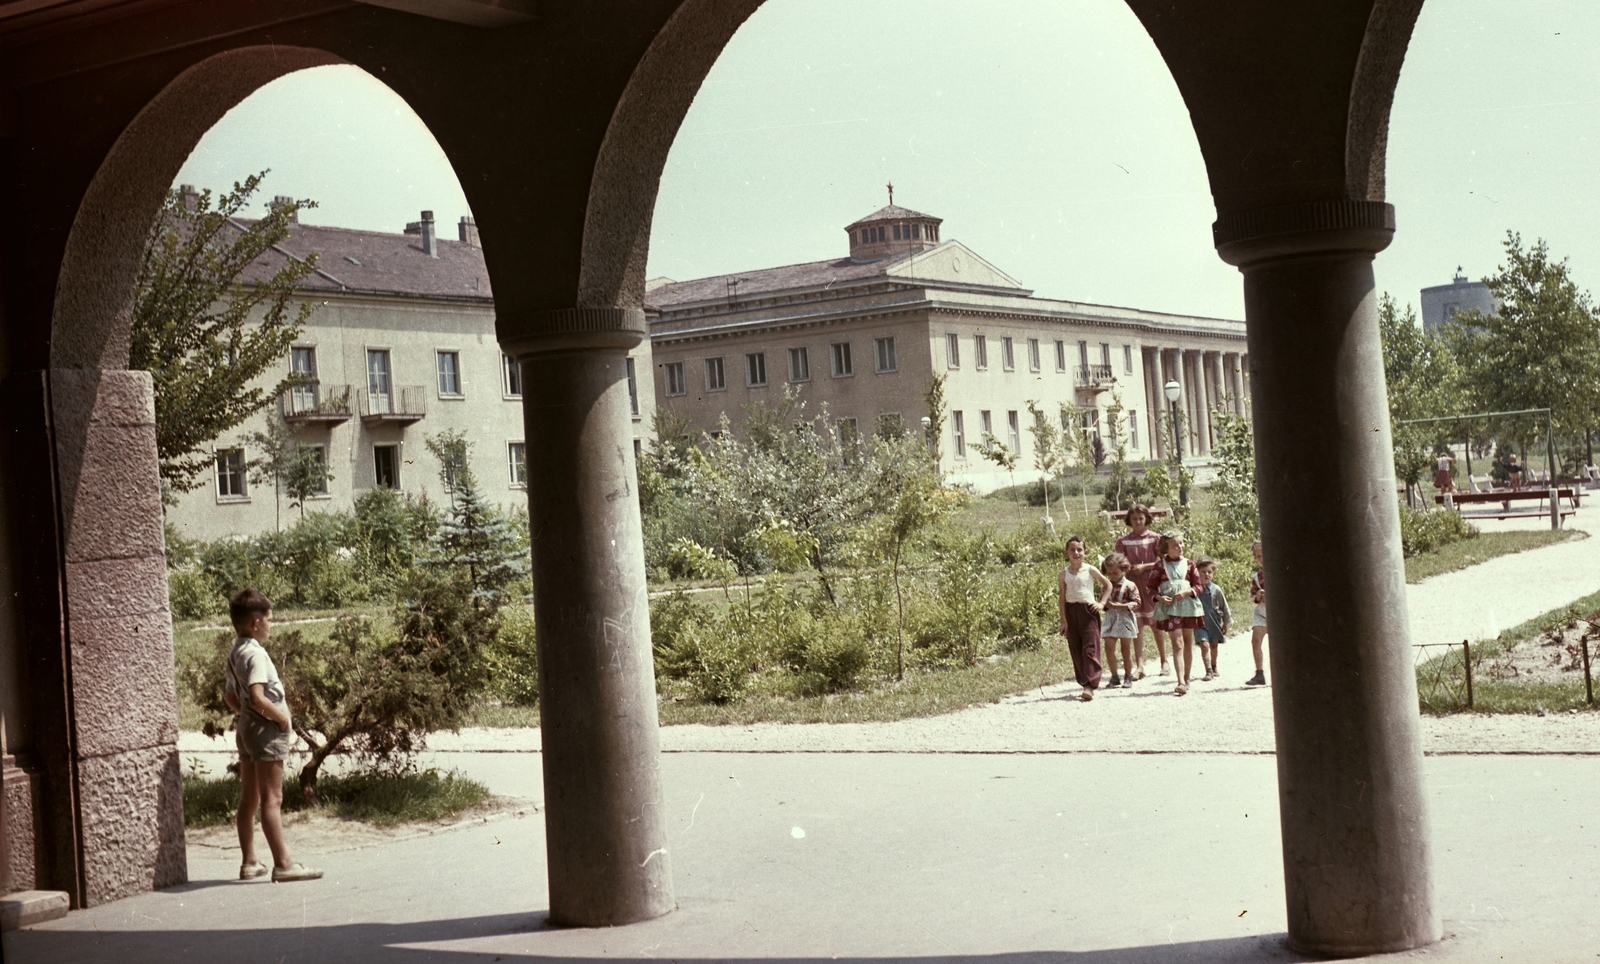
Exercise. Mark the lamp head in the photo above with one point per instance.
(1173, 390)
(926, 422)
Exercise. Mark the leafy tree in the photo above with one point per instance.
(451, 448)
(1118, 485)
(934, 398)
(1082, 450)
(919, 500)
(1540, 349)
(1047, 450)
(205, 328)
(1423, 381)
(295, 469)
(478, 541)
(996, 451)
(1236, 504)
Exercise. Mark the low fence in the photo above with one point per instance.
(1444, 682)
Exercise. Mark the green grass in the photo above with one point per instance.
(1504, 696)
(381, 799)
(1481, 548)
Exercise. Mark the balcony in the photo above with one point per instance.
(403, 405)
(1097, 377)
(313, 403)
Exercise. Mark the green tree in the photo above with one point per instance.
(1540, 349)
(205, 327)
(294, 468)
(934, 398)
(1079, 442)
(1236, 504)
(1118, 487)
(452, 450)
(919, 500)
(480, 542)
(1424, 381)
(997, 452)
(1047, 450)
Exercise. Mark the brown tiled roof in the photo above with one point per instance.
(812, 274)
(376, 261)
(893, 212)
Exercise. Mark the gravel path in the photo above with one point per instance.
(1224, 716)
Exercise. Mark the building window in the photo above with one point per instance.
(1133, 428)
(891, 426)
(848, 436)
(755, 369)
(230, 474)
(952, 350)
(386, 466)
(886, 359)
(715, 380)
(799, 365)
(633, 389)
(958, 431)
(1083, 355)
(303, 365)
(449, 373)
(517, 462)
(1127, 359)
(511, 370)
(980, 352)
(1008, 355)
(378, 387)
(1105, 356)
(1033, 354)
(320, 453)
(841, 359)
(674, 378)
(1061, 356)
(986, 423)
(1015, 429)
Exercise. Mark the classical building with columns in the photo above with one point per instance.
(862, 335)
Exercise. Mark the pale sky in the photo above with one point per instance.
(1047, 133)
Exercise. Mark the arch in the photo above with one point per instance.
(94, 290)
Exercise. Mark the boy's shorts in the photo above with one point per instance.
(1204, 635)
(1258, 617)
(261, 740)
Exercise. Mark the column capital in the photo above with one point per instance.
(1246, 238)
(571, 329)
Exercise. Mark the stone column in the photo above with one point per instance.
(1150, 359)
(1354, 814)
(604, 834)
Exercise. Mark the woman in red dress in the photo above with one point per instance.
(1139, 545)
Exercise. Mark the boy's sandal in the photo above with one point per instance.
(283, 875)
(252, 871)
(1182, 689)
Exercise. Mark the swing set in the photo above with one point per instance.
(1545, 490)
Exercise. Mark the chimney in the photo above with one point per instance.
(284, 200)
(469, 231)
(189, 196)
(430, 243)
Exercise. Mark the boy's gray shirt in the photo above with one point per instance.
(248, 664)
(1218, 616)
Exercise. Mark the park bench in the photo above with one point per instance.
(1504, 498)
(1122, 514)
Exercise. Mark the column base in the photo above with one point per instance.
(26, 908)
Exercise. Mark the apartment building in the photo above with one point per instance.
(402, 346)
(862, 336)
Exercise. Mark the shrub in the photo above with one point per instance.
(717, 666)
(191, 595)
(687, 559)
(834, 661)
(512, 658)
(1425, 531)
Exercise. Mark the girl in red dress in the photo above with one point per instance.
(1139, 545)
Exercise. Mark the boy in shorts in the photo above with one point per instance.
(1218, 617)
(263, 733)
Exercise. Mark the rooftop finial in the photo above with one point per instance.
(891, 193)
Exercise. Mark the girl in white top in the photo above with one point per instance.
(1080, 615)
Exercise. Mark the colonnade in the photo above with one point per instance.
(1210, 380)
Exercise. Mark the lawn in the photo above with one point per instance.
(1481, 548)
(381, 799)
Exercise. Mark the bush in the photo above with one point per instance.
(834, 661)
(512, 658)
(716, 664)
(191, 595)
(1429, 531)
(378, 797)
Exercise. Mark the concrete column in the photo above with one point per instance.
(1235, 390)
(1354, 813)
(605, 839)
(1150, 359)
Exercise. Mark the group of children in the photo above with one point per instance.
(1147, 581)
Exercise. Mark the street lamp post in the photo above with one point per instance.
(1173, 390)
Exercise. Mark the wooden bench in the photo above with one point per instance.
(1121, 515)
(1504, 498)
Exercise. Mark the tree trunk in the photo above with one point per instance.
(900, 628)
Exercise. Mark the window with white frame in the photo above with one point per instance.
(841, 359)
(1008, 355)
(449, 364)
(230, 474)
(848, 436)
(799, 365)
(891, 426)
(952, 350)
(386, 466)
(1133, 428)
(980, 352)
(378, 381)
(633, 389)
(715, 377)
(1061, 355)
(755, 369)
(1033, 354)
(511, 376)
(517, 462)
(1127, 359)
(986, 424)
(1105, 355)
(673, 375)
(958, 434)
(1014, 429)
(303, 365)
(320, 453)
(885, 352)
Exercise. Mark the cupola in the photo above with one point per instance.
(890, 231)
